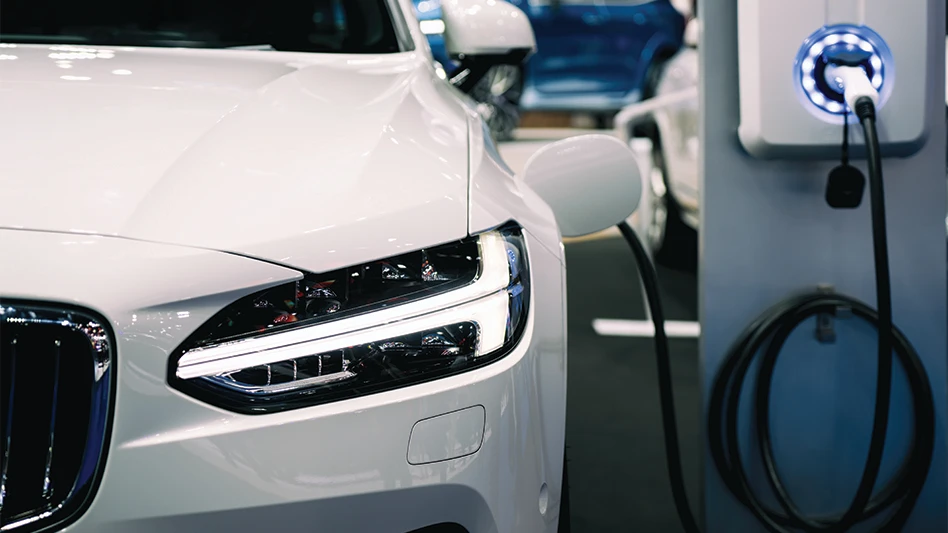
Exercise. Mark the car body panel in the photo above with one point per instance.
(673, 111)
(158, 186)
(678, 124)
(496, 192)
(591, 56)
(177, 464)
(298, 167)
(595, 55)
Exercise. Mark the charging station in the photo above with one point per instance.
(785, 56)
(773, 111)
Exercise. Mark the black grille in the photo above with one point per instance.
(55, 408)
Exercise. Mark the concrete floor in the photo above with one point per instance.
(614, 439)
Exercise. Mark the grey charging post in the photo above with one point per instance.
(767, 233)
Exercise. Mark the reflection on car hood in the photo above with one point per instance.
(311, 160)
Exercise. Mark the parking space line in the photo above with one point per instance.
(611, 327)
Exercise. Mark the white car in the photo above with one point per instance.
(664, 132)
(263, 270)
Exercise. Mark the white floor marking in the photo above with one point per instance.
(611, 327)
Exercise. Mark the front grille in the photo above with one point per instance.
(56, 386)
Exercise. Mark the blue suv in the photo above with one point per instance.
(592, 56)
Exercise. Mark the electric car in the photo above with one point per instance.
(668, 214)
(263, 269)
(593, 57)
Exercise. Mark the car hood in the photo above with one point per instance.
(314, 161)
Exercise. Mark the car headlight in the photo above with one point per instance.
(362, 329)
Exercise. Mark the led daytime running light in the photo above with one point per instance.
(440, 327)
(347, 332)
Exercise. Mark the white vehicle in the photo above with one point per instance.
(668, 124)
(263, 270)
(668, 152)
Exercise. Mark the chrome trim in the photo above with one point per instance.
(400, 20)
(47, 482)
(9, 431)
(76, 497)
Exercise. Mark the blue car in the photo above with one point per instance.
(593, 56)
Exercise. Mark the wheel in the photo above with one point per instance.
(654, 73)
(672, 241)
(564, 521)
(498, 97)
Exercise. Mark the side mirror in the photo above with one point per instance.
(592, 182)
(481, 34)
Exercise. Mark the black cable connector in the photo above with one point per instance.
(865, 110)
(845, 184)
(768, 334)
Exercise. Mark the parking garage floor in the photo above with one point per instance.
(618, 480)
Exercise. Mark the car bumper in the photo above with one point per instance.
(487, 445)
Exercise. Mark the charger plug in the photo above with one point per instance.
(856, 85)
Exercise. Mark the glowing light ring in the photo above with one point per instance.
(814, 95)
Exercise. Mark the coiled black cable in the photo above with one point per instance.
(768, 333)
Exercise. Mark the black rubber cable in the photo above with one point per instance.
(666, 393)
(844, 156)
(768, 333)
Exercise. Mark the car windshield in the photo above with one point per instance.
(332, 26)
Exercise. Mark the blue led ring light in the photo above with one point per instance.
(815, 84)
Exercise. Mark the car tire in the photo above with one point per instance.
(654, 73)
(564, 520)
(498, 97)
(653, 76)
(673, 243)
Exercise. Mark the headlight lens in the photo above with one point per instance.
(363, 329)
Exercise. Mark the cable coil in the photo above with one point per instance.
(767, 335)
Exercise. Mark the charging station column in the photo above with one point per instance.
(771, 130)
